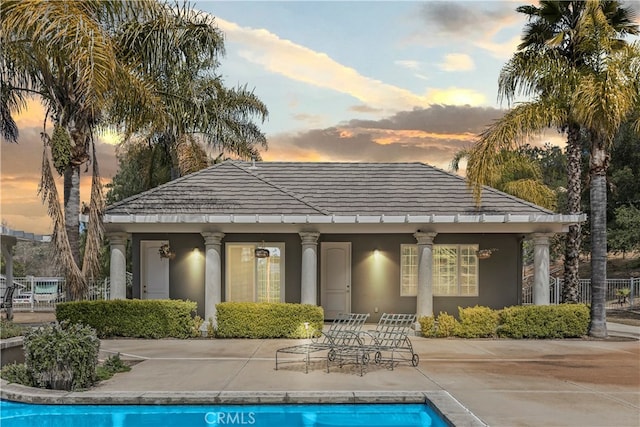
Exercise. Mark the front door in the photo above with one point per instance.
(335, 278)
(154, 275)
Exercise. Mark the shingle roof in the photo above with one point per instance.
(282, 188)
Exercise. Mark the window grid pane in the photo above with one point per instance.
(408, 270)
(251, 279)
(455, 270)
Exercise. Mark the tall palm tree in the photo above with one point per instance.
(608, 70)
(63, 53)
(608, 94)
(552, 31)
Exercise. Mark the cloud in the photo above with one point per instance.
(431, 135)
(302, 64)
(364, 109)
(480, 24)
(410, 64)
(457, 62)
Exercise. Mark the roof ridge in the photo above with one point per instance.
(492, 190)
(280, 188)
(159, 187)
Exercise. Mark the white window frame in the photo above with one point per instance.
(254, 245)
(406, 284)
(409, 272)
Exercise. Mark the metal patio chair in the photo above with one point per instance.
(343, 331)
(389, 342)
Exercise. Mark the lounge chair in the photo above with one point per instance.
(46, 292)
(343, 331)
(389, 342)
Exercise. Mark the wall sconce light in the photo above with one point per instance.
(166, 252)
(485, 253)
(261, 252)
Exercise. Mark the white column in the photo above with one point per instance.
(212, 276)
(541, 268)
(309, 279)
(118, 265)
(424, 303)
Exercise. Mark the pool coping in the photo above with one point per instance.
(445, 405)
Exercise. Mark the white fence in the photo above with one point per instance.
(43, 293)
(613, 298)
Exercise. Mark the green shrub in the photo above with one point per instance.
(477, 322)
(132, 318)
(62, 356)
(446, 325)
(538, 321)
(267, 320)
(111, 366)
(10, 329)
(427, 326)
(17, 373)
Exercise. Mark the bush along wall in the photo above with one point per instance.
(132, 318)
(268, 320)
(531, 321)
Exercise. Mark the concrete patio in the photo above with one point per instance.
(577, 382)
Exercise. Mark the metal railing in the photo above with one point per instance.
(43, 293)
(614, 299)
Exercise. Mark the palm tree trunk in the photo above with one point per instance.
(598, 194)
(570, 289)
(72, 209)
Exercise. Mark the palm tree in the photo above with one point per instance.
(608, 94)
(608, 69)
(63, 53)
(518, 175)
(552, 31)
(195, 106)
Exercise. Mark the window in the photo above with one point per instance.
(251, 279)
(408, 270)
(455, 270)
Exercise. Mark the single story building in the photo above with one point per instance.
(351, 237)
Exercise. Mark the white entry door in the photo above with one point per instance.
(335, 278)
(154, 274)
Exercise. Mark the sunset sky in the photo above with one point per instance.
(343, 81)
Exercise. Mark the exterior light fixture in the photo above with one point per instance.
(485, 253)
(261, 252)
(166, 252)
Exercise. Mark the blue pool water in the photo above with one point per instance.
(14, 414)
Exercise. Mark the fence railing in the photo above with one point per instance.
(613, 296)
(43, 293)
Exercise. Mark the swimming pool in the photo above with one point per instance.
(14, 414)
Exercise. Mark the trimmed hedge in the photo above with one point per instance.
(267, 320)
(132, 318)
(532, 321)
(446, 325)
(544, 321)
(477, 322)
(427, 326)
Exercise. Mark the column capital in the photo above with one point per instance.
(118, 238)
(309, 237)
(541, 238)
(425, 238)
(212, 237)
